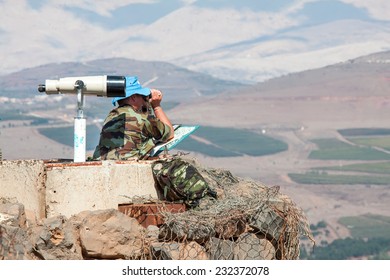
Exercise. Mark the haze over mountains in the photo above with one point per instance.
(243, 41)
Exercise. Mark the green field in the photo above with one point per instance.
(333, 149)
(228, 142)
(364, 132)
(189, 144)
(64, 135)
(367, 226)
(374, 167)
(381, 142)
(320, 178)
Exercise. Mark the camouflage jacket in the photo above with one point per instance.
(129, 134)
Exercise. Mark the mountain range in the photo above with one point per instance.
(179, 83)
(240, 41)
(354, 93)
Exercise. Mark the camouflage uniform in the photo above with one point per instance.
(129, 134)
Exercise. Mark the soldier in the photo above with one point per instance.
(129, 131)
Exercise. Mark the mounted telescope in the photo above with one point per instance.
(109, 86)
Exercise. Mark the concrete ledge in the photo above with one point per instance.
(66, 188)
(24, 181)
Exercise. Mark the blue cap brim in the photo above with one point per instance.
(132, 87)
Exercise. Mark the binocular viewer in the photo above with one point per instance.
(109, 86)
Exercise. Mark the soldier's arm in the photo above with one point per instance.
(155, 102)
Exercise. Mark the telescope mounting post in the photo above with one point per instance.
(79, 125)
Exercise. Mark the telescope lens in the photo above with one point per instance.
(41, 88)
(116, 86)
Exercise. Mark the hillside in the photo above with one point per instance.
(179, 83)
(247, 40)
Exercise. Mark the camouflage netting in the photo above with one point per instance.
(247, 221)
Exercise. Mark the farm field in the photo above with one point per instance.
(368, 226)
(354, 148)
(228, 142)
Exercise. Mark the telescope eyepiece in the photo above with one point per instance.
(79, 84)
(42, 88)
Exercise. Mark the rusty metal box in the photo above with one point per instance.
(150, 213)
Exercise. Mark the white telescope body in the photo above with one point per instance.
(110, 86)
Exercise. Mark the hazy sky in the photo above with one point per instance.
(37, 32)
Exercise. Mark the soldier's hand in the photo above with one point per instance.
(156, 98)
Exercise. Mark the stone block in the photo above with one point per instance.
(74, 187)
(23, 181)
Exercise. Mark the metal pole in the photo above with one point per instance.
(79, 125)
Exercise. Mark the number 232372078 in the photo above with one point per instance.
(242, 270)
